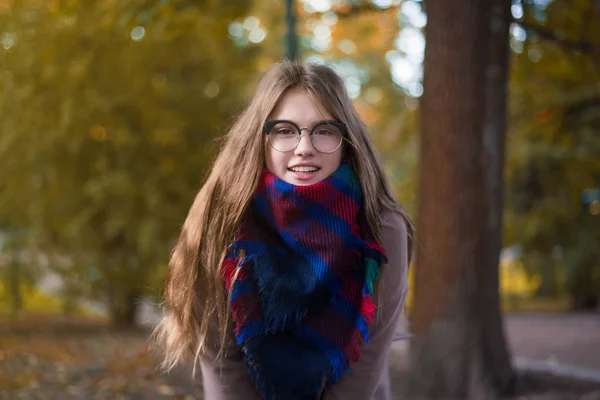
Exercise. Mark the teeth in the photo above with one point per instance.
(304, 169)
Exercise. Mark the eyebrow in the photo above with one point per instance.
(313, 124)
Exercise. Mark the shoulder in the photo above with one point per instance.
(393, 282)
(394, 222)
(396, 240)
(396, 230)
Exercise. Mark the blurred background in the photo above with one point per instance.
(110, 114)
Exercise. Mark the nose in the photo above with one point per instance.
(305, 146)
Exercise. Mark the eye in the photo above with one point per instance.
(323, 132)
(285, 131)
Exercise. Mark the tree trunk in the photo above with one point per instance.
(291, 38)
(494, 133)
(582, 287)
(14, 285)
(124, 310)
(459, 351)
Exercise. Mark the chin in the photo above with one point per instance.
(316, 179)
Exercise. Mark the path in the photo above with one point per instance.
(564, 343)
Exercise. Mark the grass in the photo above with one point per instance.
(516, 291)
(37, 303)
(537, 305)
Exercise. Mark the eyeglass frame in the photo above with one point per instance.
(340, 125)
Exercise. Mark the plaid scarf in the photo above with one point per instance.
(301, 272)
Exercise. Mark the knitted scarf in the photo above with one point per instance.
(301, 272)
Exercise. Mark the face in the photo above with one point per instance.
(304, 165)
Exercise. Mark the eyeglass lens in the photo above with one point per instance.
(325, 137)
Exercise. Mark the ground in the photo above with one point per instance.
(70, 359)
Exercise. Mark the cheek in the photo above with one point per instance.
(268, 157)
(275, 161)
(336, 159)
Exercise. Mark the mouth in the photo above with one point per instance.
(304, 172)
(304, 169)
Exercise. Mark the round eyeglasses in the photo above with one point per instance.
(326, 136)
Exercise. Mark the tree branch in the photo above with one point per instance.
(347, 10)
(583, 105)
(583, 46)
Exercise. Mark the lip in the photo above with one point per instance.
(304, 165)
(304, 176)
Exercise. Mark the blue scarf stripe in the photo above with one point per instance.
(250, 329)
(282, 186)
(254, 247)
(298, 228)
(277, 189)
(325, 218)
(231, 252)
(241, 287)
(262, 206)
(318, 264)
(289, 268)
(320, 214)
(345, 307)
(338, 226)
(349, 311)
(345, 183)
(335, 355)
(320, 267)
(352, 194)
(329, 220)
(317, 210)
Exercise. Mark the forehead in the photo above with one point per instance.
(300, 106)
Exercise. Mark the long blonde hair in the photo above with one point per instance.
(194, 289)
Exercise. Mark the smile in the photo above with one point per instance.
(304, 169)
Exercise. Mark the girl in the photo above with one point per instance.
(290, 274)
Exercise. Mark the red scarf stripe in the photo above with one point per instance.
(323, 225)
(244, 274)
(283, 212)
(376, 246)
(245, 308)
(337, 329)
(325, 242)
(266, 180)
(352, 349)
(367, 308)
(337, 202)
(352, 288)
(228, 270)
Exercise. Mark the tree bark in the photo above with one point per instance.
(459, 351)
(291, 38)
(124, 310)
(14, 285)
(494, 134)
